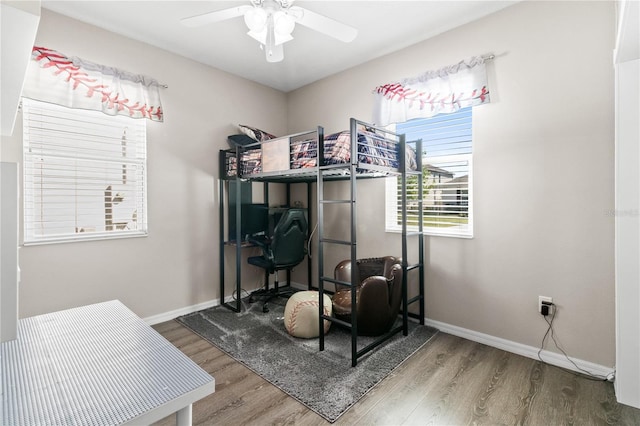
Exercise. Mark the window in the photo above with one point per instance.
(84, 174)
(447, 176)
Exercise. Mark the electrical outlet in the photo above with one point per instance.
(543, 299)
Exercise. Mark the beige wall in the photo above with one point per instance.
(543, 174)
(177, 264)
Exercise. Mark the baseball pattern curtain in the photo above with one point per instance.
(434, 92)
(75, 83)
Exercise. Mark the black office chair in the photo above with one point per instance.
(285, 249)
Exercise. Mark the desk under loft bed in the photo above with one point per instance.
(364, 151)
(235, 181)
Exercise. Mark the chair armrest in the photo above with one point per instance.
(265, 245)
(342, 272)
(264, 242)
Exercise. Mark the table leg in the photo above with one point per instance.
(183, 416)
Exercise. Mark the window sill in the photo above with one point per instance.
(97, 237)
(435, 234)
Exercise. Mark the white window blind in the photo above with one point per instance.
(447, 176)
(84, 174)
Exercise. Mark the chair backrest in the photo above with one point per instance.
(288, 240)
(365, 268)
(380, 266)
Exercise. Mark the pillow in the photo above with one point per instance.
(257, 134)
(239, 140)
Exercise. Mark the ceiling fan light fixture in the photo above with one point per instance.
(269, 33)
(283, 23)
(256, 19)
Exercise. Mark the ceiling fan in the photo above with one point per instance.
(271, 23)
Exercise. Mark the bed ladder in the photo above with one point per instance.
(328, 170)
(323, 171)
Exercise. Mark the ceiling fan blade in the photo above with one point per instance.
(324, 24)
(216, 16)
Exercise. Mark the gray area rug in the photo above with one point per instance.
(323, 381)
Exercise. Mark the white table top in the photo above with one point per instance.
(95, 365)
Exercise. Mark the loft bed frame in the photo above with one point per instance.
(307, 157)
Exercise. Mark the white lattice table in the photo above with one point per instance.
(96, 365)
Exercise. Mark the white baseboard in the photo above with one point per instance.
(168, 316)
(552, 358)
(486, 339)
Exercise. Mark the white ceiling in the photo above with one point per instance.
(383, 27)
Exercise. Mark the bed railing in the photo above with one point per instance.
(297, 156)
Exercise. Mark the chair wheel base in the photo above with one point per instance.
(265, 295)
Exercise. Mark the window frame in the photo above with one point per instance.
(138, 161)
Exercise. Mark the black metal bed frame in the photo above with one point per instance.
(319, 174)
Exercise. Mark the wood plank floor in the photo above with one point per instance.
(451, 381)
